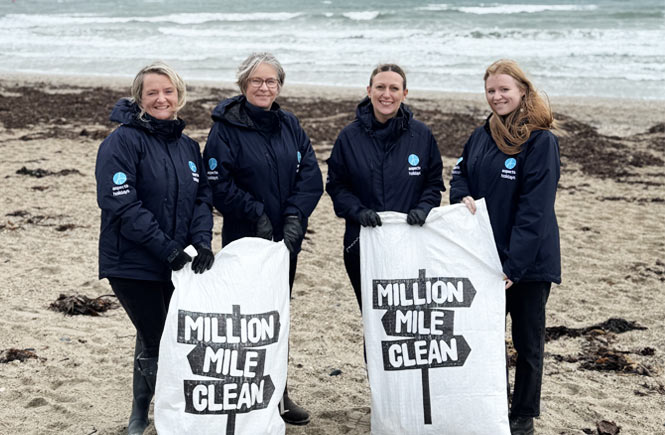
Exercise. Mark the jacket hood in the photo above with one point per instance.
(233, 111)
(365, 114)
(127, 112)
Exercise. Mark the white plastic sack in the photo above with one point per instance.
(223, 354)
(434, 317)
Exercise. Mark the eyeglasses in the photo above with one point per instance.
(256, 82)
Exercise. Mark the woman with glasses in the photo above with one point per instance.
(264, 175)
(513, 162)
(384, 160)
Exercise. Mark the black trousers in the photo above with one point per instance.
(292, 270)
(146, 304)
(525, 302)
(352, 265)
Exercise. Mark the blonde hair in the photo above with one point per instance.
(512, 130)
(165, 70)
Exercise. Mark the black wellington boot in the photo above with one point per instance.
(291, 412)
(138, 419)
(521, 426)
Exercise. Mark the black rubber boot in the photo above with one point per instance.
(521, 425)
(143, 392)
(291, 412)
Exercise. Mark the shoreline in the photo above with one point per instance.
(607, 114)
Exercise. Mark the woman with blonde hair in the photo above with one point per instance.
(155, 200)
(513, 162)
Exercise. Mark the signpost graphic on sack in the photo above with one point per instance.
(224, 350)
(415, 309)
(434, 323)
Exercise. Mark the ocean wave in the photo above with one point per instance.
(435, 7)
(24, 20)
(362, 16)
(520, 9)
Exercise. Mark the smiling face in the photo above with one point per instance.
(267, 90)
(159, 97)
(503, 93)
(386, 94)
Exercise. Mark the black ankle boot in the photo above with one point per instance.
(292, 413)
(521, 425)
(143, 392)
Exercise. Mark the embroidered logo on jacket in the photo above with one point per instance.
(120, 188)
(119, 178)
(456, 168)
(195, 175)
(212, 174)
(414, 169)
(509, 173)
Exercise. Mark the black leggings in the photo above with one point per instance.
(146, 304)
(352, 264)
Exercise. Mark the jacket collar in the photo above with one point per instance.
(365, 114)
(237, 111)
(127, 113)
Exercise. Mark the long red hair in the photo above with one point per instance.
(534, 113)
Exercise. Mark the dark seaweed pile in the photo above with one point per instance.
(70, 114)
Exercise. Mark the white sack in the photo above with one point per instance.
(451, 342)
(214, 379)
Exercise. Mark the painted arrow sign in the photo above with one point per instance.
(415, 309)
(228, 347)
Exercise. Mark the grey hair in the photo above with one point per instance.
(162, 68)
(248, 66)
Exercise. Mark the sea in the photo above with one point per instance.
(600, 48)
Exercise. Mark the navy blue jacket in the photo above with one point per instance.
(253, 171)
(153, 193)
(519, 191)
(400, 176)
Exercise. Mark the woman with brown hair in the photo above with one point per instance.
(385, 160)
(513, 162)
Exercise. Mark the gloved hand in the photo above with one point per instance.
(369, 218)
(203, 260)
(293, 234)
(416, 216)
(264, 227)
(178, 258)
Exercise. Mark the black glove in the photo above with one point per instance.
(293, 234)
(368, 218)
(264, 227)
(416, 216)
(203, 260)
(178, 259)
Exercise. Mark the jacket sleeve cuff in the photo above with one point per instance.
(171, 247)
(511, 274)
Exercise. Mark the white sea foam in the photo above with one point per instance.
(362, 16)
(520, 9)
(433, 7)
(24, 20)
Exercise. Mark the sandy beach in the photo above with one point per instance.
(610, 206)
